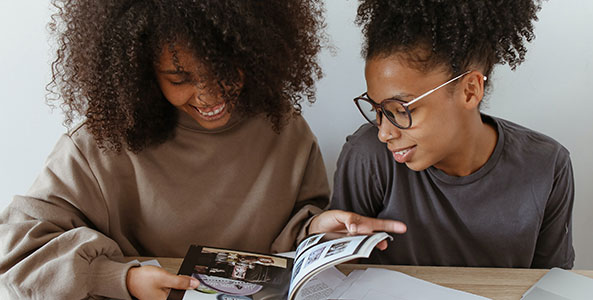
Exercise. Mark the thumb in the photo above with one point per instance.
(180, 282)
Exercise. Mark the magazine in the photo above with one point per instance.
(239, 275)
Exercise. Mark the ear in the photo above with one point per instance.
(473, 89)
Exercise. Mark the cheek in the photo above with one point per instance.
(438, 125)
(432, 135)
(176, 95)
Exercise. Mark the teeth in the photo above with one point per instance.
(402, 152)
(214, 112)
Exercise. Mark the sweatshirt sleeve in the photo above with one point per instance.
(312, 199)
(54, 242)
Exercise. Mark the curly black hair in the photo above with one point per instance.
(456, 34)
(104, 69)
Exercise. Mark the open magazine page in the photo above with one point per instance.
(322, 285)
(322, 251)
(237, 275)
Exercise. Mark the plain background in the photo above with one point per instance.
(549, 92)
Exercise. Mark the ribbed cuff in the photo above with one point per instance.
(108, 278)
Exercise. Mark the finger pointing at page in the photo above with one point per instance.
(338, 220)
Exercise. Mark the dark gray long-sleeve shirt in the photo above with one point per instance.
(515, 211)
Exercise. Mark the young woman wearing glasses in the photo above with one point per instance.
(473, 189)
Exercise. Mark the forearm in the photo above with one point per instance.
(43, 259)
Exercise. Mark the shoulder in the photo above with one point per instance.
(81, 138)
(294, 130)
(365, 140)
(519, 136)
(297, 125)
(364, 148)
(84, 143)
(532, 145)
(74, 151)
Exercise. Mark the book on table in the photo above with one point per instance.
(232, 274)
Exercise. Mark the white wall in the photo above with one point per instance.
(27, 128)
(548, 93)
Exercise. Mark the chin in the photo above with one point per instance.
(215, 123)
(414, 166)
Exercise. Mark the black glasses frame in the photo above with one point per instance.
(380, 108)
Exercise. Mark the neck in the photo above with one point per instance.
(477, 144)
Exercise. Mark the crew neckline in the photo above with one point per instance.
(482, 171)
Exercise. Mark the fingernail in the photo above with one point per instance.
(403, 228)
(193, 283)
(353, 228)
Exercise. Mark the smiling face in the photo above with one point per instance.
(446, 125)
(188, 89)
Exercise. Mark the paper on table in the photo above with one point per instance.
(561, 284)
(541, 294)
(346, 284)
(321, 285)
(372, 294)
(152, 262)
(395, 285)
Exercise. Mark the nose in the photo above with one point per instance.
(200, 99)
(203, 97)
(388, 131)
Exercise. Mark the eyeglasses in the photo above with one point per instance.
(396, 111)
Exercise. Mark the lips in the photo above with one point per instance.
(403, 155)
(211, 113)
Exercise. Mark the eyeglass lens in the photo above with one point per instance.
(393, 110)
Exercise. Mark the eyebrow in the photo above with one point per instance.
(400, 97)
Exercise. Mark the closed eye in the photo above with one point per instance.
(177, 77)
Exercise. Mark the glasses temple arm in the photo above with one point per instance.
(438, 87)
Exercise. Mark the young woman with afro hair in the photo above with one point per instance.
(190, 133)
(474, 190)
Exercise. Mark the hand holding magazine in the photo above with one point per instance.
(230, 274)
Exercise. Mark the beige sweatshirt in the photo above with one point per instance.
(242, 186)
